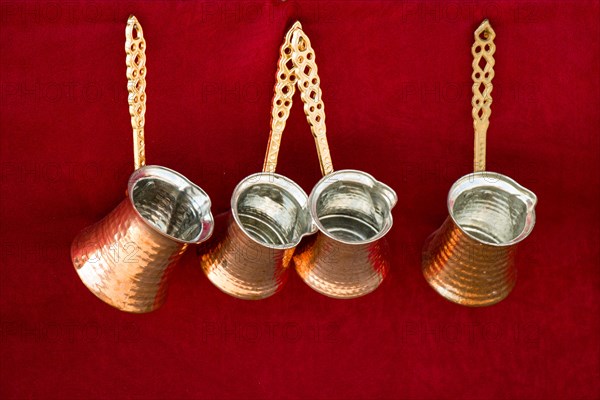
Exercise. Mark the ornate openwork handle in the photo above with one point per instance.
(135, 47)
(303, 57)
(285, 87)
(297, 66)
(483, 72)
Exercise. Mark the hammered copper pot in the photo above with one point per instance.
(352, 210)
(269, 212)
(470, 259)
(126, 258)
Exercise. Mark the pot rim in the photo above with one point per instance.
(356, 176)
(282, 183)
(498, 181)
(199, 198)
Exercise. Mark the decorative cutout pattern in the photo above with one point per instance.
(297, 66)
(135, 48)
(285, 87)
(311, 95)
(483, 72)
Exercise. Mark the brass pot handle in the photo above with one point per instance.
(297, 66)
(285, 87)
(483, 72)
(135, 48)
(308, 82)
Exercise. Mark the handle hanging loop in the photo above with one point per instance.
(483, 72)
(297, 66)
(135, 48)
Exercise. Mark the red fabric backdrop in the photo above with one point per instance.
(396, 81)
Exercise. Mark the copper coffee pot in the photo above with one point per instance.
(349, 255)
(470, 259)
(269, 212)
(126, 258)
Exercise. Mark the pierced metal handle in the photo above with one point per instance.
(297, 67)
(303, 57)
(285, 87)
(135, 48)
(483, 72)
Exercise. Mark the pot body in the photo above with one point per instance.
(124, 262)
(127, 257)
(342, 270)
(349, 257)
(466, 271)
(268, 218)
(470, 259)
(244, 268)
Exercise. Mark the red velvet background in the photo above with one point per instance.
(396, 81)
